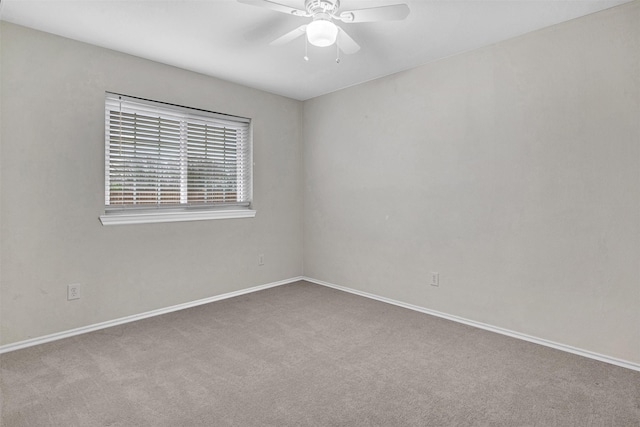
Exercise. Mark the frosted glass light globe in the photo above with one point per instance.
(322, 33)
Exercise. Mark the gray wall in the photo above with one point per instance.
(513, 171)
(53, 192)
(0, 187)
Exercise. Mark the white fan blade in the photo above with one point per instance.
(394, 12)
(275, 6)
(346, 43)
(291, 35)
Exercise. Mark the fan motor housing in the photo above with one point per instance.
(321, 6)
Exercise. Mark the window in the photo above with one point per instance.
(170, 163)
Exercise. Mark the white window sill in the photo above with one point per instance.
(152, 217)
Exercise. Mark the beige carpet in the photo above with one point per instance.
(306, 355)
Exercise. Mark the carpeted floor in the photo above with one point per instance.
(306, 355)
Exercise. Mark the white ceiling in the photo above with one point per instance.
(229, 40)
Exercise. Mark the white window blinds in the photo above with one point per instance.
(161, 156)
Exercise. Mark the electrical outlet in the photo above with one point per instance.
(261, 259)
(435, 279)
(73, 291)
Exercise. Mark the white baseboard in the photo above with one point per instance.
(502, 331)
(102, 325)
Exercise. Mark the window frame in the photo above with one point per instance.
(159, 212)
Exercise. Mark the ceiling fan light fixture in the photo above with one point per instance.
(322, 33)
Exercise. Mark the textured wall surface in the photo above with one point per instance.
(512, 170)
(53, 192)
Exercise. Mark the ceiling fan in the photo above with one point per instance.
(322, 31)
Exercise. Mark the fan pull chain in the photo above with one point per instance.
(306, 48)
(337, 53)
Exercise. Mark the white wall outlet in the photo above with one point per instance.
(435, 279)
(261, 259)
(73, 291)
